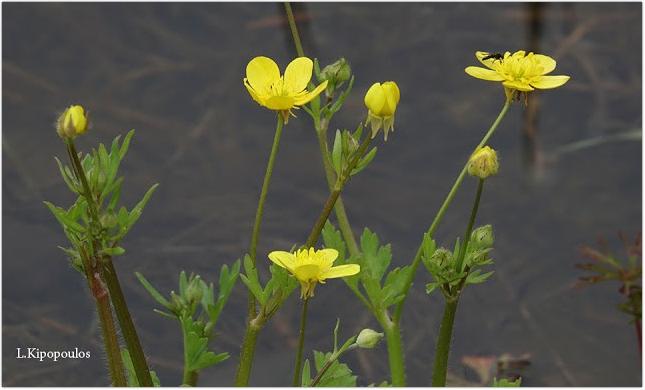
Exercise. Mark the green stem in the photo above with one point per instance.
(108, 329)
(294, 29)
(341, 214)
(265, 188)
(250, 338)
(109, 274)
(471, 223)
(444, 207)
(443, 344)
(396, 358)
(335, 193)
(301, 343)
(190, 376)
(246, 356)
(128, 329)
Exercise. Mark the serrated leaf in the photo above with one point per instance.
(376, 258)
(394, 285)
(338, 374)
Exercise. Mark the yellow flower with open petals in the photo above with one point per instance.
(520, 71)
(310, 266)
(281, 93)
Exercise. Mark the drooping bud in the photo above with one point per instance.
(72, 122)
(381, 101)
(368, 338)
(483, 163)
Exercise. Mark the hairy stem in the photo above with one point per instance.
(443, 344)
(246, 356)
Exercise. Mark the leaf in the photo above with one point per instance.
(250, 279)
(364, 162)
(131, 374)
(138, 209)
(306, 375)
(338, 374)
(376, 258)
(67, 177)
(197, 356)
(337, 153)
(126, 144)
(227, 279)
(152, 291)
(116, 251)
(65, 221)
(334, 239)
(476, 277)
(507, 382)
(393, 288)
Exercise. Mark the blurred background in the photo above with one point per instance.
(570, 172)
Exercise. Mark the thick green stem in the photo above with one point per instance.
(109, 274)
(246, 356)
(301, 344)
(294, 29)
(395, 353)
(444, 207)
(443, 344)
(128, 329)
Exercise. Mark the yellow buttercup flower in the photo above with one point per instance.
(381, 101)
(72, 122)
(518, 71)
(281, 93)
(310, 266)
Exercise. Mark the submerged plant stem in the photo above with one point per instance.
(301, 343)
(444, 207)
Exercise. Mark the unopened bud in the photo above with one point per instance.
(368, 338)
(336, 73)
(483, 237)
(441, 257)
(483, 163)
(72, 122)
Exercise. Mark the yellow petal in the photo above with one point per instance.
(375, 98)
(307, 97)
(307, 272)
(279, 103)
(393, 90)
(342, 271)
(547, 82)
(518, 86)
(328, 256)
(298, 74)
(283, 259)
(392, 96)
(484, 74)
(261, 72)
(545, 62)
(253, 93)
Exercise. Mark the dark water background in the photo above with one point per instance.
(174, 73)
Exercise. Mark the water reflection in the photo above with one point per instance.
(173, 71)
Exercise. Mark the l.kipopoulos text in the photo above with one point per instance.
(41, 355)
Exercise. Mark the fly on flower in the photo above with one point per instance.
(281, 93)
(310, 266)
(520, 71)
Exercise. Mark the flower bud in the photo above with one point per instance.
(483, 163)
(72, 122)
(368, 338)
(483, 237)
(336, 73)
(194, 292)
(381, 101)
(441, 257)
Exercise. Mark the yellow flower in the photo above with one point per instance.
(518, 71)
(281, 93)
(72, 122)
(310, 266)
(483, 163)
(381, 101)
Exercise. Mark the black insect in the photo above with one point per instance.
(494, 56)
